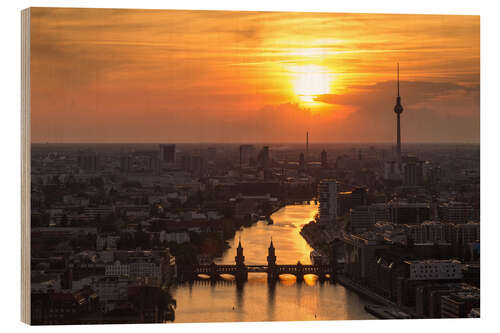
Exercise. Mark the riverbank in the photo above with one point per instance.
(387, 305)
(318, 236)
(386, 312)
(209, 246)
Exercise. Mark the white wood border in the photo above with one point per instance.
(25, 168)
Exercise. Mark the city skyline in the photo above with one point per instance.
(214, 166)
(117, 76)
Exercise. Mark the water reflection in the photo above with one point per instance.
(310, 279)
(259, 300)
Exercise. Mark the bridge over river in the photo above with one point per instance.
(240, 270)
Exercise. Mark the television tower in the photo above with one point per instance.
(398, 109)
(307, 143)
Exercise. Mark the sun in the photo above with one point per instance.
(310, 81)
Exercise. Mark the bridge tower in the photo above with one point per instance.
(272, 270)
(271, 254)
(300, 272)
(240, 258)
(241, 269)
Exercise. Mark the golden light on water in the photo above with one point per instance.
(310, 279)
(287, 279)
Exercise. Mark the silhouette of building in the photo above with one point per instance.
(351, 199)
(412, 171)
(246, 153)
(324, 159)
(88, 161)
(263, 158)
(302, 162)
(327, 192)
(403, 212)
(125, 163)
(167, 153)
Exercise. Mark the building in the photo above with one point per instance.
(412, 171)
(459, 304)
(364, 217)
(153, 268)
(195, 164)
(246, 154)
(351, 199)
(428, 297)
(456, 212)
(360, 218)
(111, 289)
(263, 158)
(466, 233)
(88, 161)
(402, 212)
(392, 170)
(434, 269)
(324, 159)
(302, 162)
(167, 153)
(125, 163)
(327, 193)
(429, 232)
(60, 308)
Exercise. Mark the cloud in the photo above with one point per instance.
(433, 111)
(151, 75)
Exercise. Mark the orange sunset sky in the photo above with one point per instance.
(100, 75)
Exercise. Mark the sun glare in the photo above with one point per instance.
(310, 81)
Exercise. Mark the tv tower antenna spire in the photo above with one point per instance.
(398, 109)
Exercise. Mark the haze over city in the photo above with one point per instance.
(200, 76)
(215, 166)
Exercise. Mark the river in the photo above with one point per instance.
(256, 300)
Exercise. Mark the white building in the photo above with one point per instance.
(117, 269)
(177, 237)
(327, 191)
(110, 290)
(435, 269)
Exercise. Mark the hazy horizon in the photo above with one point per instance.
(132, 76)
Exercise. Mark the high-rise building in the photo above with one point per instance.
(88, 161)
(307, 144)
(302, 161)
(324, 159)
(246, 153)
(125, 163)
(263, 158)
(364, 217)
(351, 199)
(327, 192)
(167, 153)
